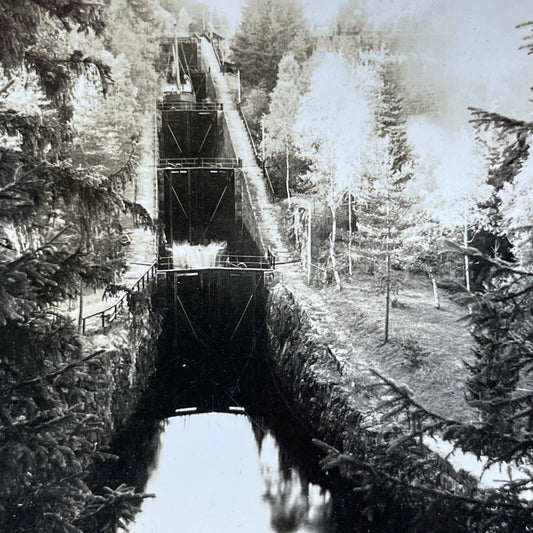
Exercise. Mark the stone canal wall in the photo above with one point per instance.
(330, 390)
(126, 368)
(304, 362)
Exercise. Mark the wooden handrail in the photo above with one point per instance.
(250, 137)
(267, 176)
(113, 310)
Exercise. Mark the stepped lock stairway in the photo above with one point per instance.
(265, 214)
(260, 215)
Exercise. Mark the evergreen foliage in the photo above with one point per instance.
(269, 30)
(20, 18)
(63, 186)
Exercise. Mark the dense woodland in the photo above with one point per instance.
(77, 86)
(334, 129)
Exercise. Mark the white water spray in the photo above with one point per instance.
(186, 255)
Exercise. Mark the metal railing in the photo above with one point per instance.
(199, 162)
(267, 262)
(194, 39)
(109, 313)
(259, 160)
(250, 136)
(190, 106)
(271, 258)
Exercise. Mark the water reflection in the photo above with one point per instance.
(294, 503)
(209, 477)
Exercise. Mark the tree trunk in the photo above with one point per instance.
(388, 273)
(80, 312)
(467, 259)
(387, 296)
(309, 235)
(350, 233)
(332, 238)
(288, 173)
(436, 299)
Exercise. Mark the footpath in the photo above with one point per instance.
(266, 214)
(141, 248)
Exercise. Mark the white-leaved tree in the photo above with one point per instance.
(333, 130)
(284, 103)
(450, 181)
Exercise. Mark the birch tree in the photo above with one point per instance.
(278, 141)
(333, 130)
(453, 182)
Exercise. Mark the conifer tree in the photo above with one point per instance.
(382, 215)
(269, 29)
(58, 223)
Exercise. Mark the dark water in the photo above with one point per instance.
(217, 471)
(213, 475)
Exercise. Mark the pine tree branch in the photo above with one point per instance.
(484, 118)
(54, 373)
(476, 254)
(463, 435)
(405, 396)
(30, 254)
(378, 475)
(125, 166)
(513, 295)
(7, 86)
(17, 178)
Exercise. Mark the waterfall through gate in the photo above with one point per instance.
(186, 255)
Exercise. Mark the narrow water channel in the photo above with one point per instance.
(242, 463)
(217, 471)
(214, 475)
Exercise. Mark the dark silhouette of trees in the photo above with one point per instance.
(269, 30)
(59, 225)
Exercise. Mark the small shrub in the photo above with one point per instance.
(397, 304)
(412, 351)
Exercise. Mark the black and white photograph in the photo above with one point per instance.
(266, 266)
